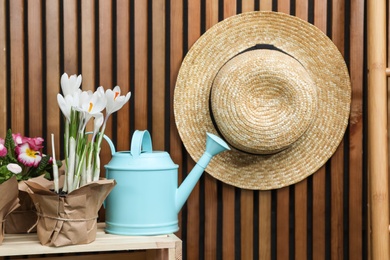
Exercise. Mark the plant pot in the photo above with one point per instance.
(68, 219)
(9, 201)
(23, 219)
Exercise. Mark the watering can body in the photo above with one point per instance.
(146, 199)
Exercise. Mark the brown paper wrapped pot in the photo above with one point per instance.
(70, 219)
(9, 201)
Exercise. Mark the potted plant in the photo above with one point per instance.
(21, 157)
(68, 207)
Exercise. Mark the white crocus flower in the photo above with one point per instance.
(71, 84)
(114, 100)
(91, 104)
(67, 102)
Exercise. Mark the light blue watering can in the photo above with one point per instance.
(147, 199)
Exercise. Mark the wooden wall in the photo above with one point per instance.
(139, 45)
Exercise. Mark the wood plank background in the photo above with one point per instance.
(139, 45)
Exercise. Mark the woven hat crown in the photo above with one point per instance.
(263, 101)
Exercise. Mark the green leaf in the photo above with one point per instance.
(41, 167)
(10, 145)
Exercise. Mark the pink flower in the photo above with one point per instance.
(18, 138)
(35, 143)
(27, 155)
(3, 150)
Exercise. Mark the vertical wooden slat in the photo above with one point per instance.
(158, 110)
(377, 131)
(247, 196)
(284, 6)
(356, 132)
(88, 61)
(266, 5)
(140, 59)
(247, 224)
(34, 42)
(248, 5)
(3, 69)
(211, 13)
(265, 225)
(337, 161)
(337, 226)
(283, 194)
(211, 201)
(53, 72)
(17, 43)
(318, 243)
(70, 37)
(301, 11)
(88, 67)
(175, 58)
(228, 191)
(265, 196)
(282, 223)
(193, 209)
(228, 222)
(123, 73)
(106, 65)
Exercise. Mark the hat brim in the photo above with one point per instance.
(303, 41)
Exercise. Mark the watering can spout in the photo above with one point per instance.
(214, 146)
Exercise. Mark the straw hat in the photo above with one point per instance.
(274, 87)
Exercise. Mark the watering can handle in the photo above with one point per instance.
(141, 142)
(112, 147)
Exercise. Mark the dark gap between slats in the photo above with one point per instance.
(274, 206)
(275, 5)
(346, 197)
(346, 138)
(44, 77)
(328, 206)
(310, 217)
(8, 58)
(310, 11)
(291, 225)
(114, 117)
(79, 38)
(97, 44)
(132, 66)
(238, 6)
(237, 223)
(202, 220)
(167, 77)
(219, 220)
(328, 176)
(220, 10)
(365, 231)
(292, 7)
(329, 19)
(61, 66)
(26, 100)
(184, 210)
(257, 5)
(256, 227)
(150, 66)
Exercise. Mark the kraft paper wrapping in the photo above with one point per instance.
(23, 218)
(70, 219)
(9, 201)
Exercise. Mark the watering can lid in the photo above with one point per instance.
(141, 156)
(142, 149)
